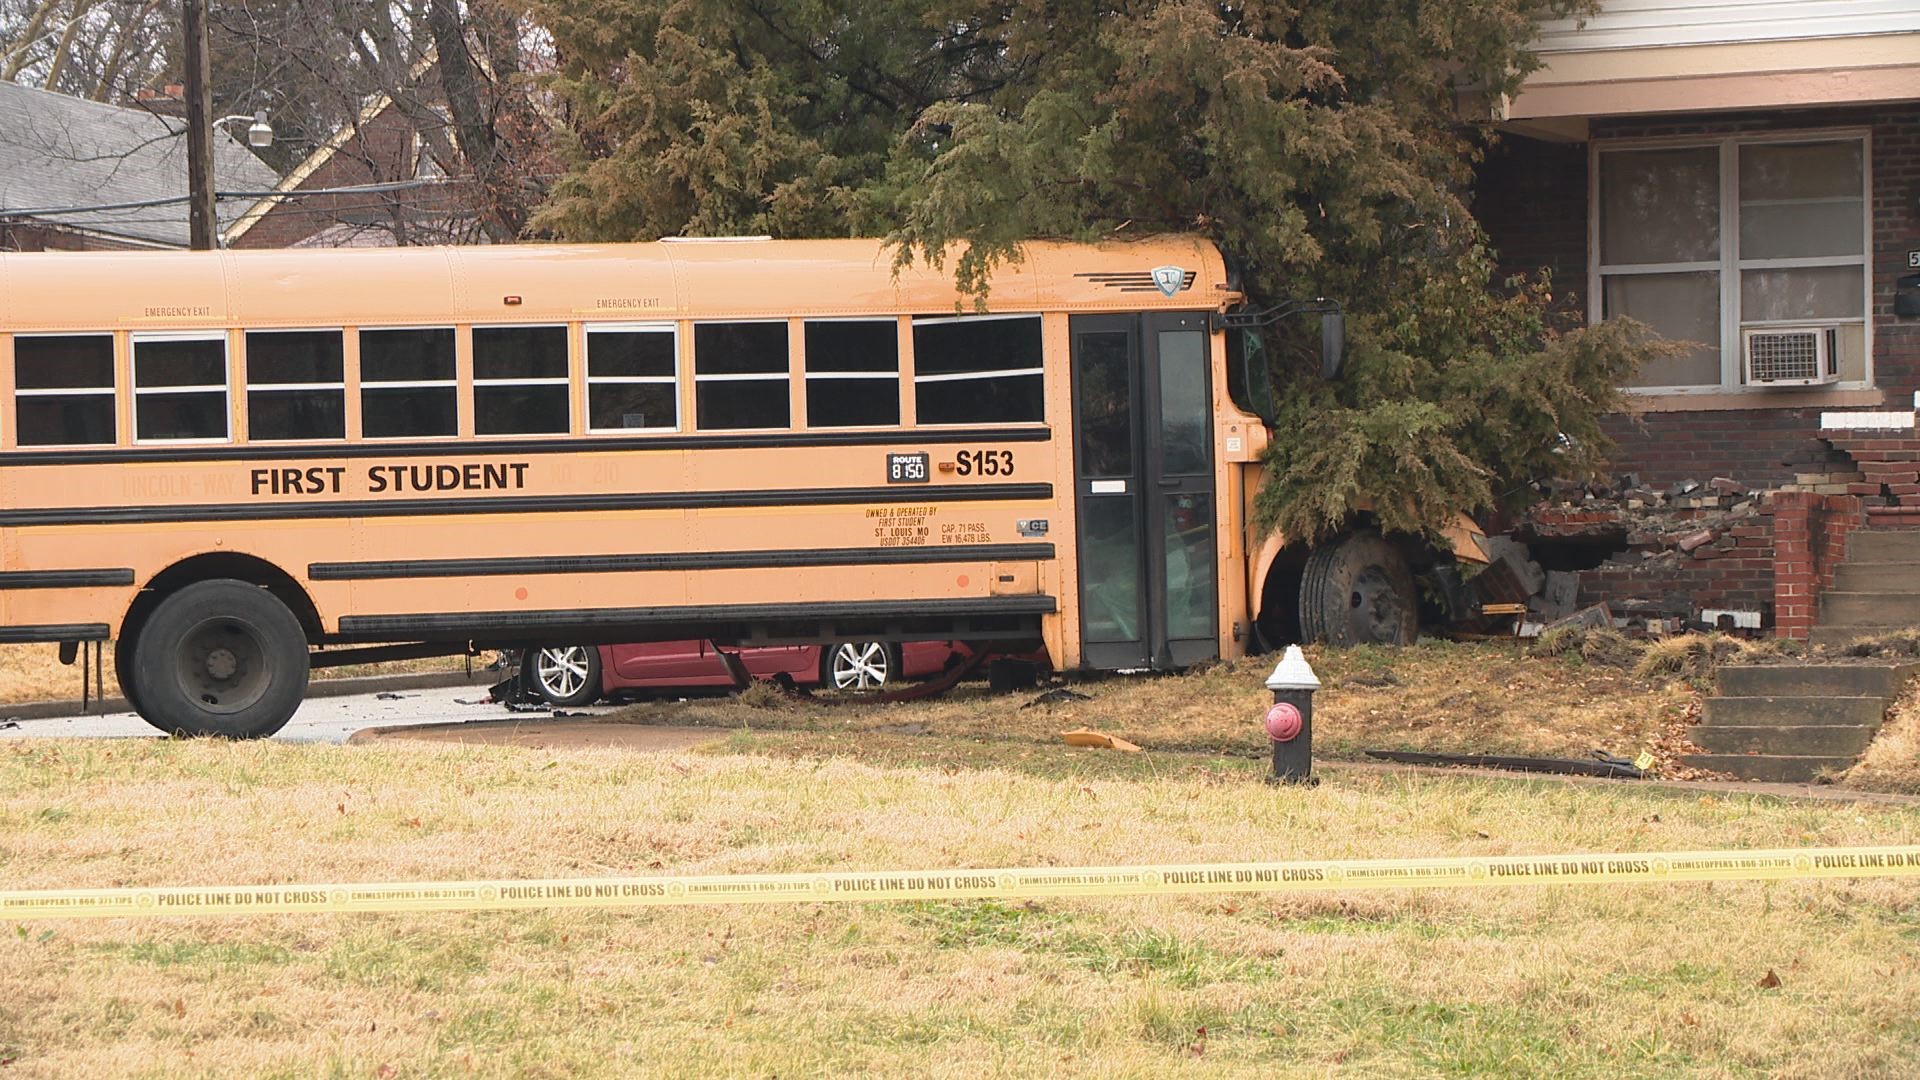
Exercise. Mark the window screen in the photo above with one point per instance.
(983, 369)
(853, 373)
(63, 390)
(631, 380)
(520, 380)
(296, 385)
(179, 387)
(740, 375)
(407, 383)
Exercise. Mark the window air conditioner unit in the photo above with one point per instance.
(1791, 355)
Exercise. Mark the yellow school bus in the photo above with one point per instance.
(241, 465)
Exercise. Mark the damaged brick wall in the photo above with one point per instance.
(1810, 541)
(1888, 473)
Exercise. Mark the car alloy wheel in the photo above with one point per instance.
(562, 671)
(859, 665)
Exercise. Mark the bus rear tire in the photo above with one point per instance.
(220, 658)
(1359, 592)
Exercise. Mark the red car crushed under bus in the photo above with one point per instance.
(580, 674)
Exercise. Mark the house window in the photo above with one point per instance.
(1734, 241)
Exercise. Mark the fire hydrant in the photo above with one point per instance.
(1289, 721)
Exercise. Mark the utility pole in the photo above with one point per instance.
(203, 226)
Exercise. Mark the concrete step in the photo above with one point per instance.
(1890, 609)
(1884, 545)
(1813, 680)
(1812, 740)
(1774, 768)
(1852, 576)
(1834, 635)
(1768, 711)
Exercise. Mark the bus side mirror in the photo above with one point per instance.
(1333, 344)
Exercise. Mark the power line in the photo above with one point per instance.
(173, 200)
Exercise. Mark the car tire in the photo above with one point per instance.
(1359, 592)
(563, 674)
(859, 666)
(220, 658)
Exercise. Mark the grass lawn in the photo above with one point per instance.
(1484, 697)
(1640, 980)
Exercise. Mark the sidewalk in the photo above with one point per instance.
(318, 688)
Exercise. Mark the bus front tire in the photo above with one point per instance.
(1359, 592)
(220, 658)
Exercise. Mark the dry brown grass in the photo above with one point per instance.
(1643, 980)
(1482, 697)
(1892, 760)
(35, 673)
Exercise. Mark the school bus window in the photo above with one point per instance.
(631, 385)
(63, 390)
(853, 373)
(520, 380)
(407, 384)
(296, 385)
(978, 369)
(179, 387)
(740, 375)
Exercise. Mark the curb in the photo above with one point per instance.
(319, 688)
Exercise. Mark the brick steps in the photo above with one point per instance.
(1883, 545)
(1811, 680)
(1792, 710)
(1789, 740)
(1769, 768)
(1793, 722)
(1867, 576)
(1892, 610)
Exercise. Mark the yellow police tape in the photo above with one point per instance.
(1020, 884)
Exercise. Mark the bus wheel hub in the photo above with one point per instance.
(222, 664)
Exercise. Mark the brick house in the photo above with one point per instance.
(1744, 177)
(382, 145)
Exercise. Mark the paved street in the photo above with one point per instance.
(323, 719)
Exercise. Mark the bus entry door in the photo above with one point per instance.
(1143, 484)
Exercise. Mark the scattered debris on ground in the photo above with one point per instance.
(1599, 764)
(1097, 739)
(1056, 696)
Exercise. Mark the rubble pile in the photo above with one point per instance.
(1695, 554)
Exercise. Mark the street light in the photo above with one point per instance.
(259, 133)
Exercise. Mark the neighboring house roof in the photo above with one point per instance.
(60, 151)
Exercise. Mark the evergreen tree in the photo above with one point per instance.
(1320, 143)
